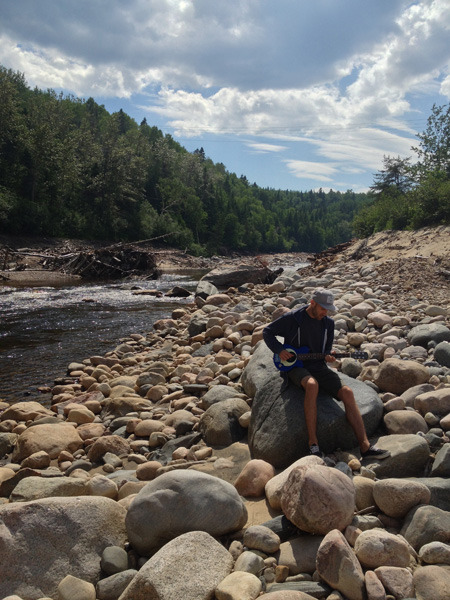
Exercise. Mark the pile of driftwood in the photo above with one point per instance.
(113, 262)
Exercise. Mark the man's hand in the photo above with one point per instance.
(285, 355)
(330, 358)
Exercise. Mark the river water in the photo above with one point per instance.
(43, 329)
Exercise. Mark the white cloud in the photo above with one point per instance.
(311, 170)
(264, 148)
(342, 77)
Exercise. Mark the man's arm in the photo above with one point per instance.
(280, 327)
(330, 338)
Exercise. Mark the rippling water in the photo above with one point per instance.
(43, 329)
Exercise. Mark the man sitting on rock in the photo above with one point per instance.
(309, 326)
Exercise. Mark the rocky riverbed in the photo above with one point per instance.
(154, 476)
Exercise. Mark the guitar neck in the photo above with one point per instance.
(316, 356)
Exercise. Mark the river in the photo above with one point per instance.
(43, 329)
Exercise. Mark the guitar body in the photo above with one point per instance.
(294, 361)
(299, 355)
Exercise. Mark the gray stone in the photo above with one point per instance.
(305, 485)
(74, 588)
(442, 354)
(249, 562)
(34, 488)
(197, 324)
(421, 335)
(258, 537)
(188, 567)
(239, 584)
(311, 589)
(396, 375)
(425, 524)
(432, 582)
(440, 491)
(53, 438)
(435, 553)
(204, 289)
(396, 497)
(411, 394)
(259, 369)
(235, 276)
(181, 501)
(404, 421)
(7, 443)
(217, 393)
(299, 554)
(409, 456)
(43, 540)
(377, 547)
(277, 432)
(436, 402)
(441, 465)
(111, 587)
(397, 581)
(220, 425)
(338, 566)
(114, 560)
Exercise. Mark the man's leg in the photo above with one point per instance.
(302, 378)
(311, 388)
(354, 417)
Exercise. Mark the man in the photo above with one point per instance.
(310, 326)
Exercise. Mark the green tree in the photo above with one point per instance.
(434, 147)
(396, 173)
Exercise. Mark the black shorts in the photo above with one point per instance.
(328, 379)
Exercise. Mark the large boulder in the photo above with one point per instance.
(299, 554)
(410, 455)
(52, 438)
(44, 540)
(220, 425)
(396, 497)
(34, 488)
(238, 275)
(425, 524)
(439, 489)
(205, 288)
(421, 335)
(217, 393)
(377, 547)
(432, 582)
(436, 402)
(277, 431)
(259, 369)
(26, 411)
(396, 375)
(339, 567)
(442, 354)
(181, 501)
(274, 487)
(404, 421)
(305, 485)
(189, 567)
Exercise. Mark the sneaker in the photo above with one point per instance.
(374, 452)
(314, 450)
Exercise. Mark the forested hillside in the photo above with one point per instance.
(69, 168)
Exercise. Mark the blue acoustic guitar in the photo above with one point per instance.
(298, 355)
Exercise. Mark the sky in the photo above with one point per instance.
(293, 94)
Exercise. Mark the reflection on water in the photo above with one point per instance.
(43, 329)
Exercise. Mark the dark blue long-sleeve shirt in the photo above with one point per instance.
(298, 329)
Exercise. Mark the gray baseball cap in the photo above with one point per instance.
(325, 299)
